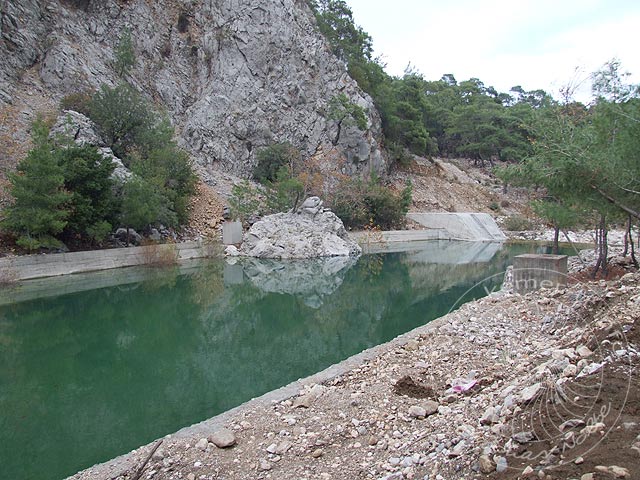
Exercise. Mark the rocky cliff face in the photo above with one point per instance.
(235, 75)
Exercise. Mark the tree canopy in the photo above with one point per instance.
(423, 117)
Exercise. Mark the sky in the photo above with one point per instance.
(537, 44)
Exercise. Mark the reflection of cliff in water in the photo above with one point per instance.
(446, 265)
(182, 346)
(310, 279)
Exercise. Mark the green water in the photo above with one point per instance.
(89, 375)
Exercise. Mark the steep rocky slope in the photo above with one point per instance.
(234, 75)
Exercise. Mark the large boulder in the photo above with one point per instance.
(299, 235)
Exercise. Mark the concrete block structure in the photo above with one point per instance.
(534, 271)
(232, 233)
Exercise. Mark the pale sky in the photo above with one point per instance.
(533, 43)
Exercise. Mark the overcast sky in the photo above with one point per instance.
(533, 43)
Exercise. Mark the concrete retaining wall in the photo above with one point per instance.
(51, 265)
(475, 227)
(396, 240)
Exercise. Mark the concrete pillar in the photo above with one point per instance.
(534, 271)
(231, 233)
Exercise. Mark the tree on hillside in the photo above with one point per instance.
(335, 21)
(558, 215)
(424, 118)
(124, 56)
(617, 129)
(346, 113)
(38, 213)
(170, 172)
(143, 205)
(92, 206)
(143, 138)
(123, 117)
(586, 158)
(272, 159)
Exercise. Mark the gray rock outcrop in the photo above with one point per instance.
(234, 76)
(78, 128)
(298, 235)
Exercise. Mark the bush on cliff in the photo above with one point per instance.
(359, 204)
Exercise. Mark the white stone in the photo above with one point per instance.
(293, 235)
(202, 444)
(223, 438)
(584, 351)
(489, 416)
(416, 411)
(529, 394)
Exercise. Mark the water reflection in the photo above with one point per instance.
(311, 279)
(102, 363)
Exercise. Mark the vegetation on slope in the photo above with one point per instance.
(66, 193)
(583, 156)
(424, 117)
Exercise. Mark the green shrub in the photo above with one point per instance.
(244, 201)
(143, 204)
(399, 155)
(272, 158)
(64, 191)
(517, 223)
(360, 204)
(125, 120)
(143, 139)
(284, 193)
(347, 113)
(169, 170)
(87, 178)
(78, 102)
(124, 56)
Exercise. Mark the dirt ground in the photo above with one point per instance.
(455, 185)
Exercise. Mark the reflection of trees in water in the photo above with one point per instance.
(159, 278)
(207, 284)
(111, 369)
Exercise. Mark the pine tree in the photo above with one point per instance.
(124, 56)
(39, 211)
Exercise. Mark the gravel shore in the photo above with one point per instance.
(543, 385)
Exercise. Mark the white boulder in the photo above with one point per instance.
(307, 234)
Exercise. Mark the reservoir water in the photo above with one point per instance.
(93, 366)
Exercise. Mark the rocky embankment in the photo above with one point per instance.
(537, 386)
(615, 237)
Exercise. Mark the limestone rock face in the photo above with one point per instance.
(234, 76)
(77, 127)
(298, 235)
